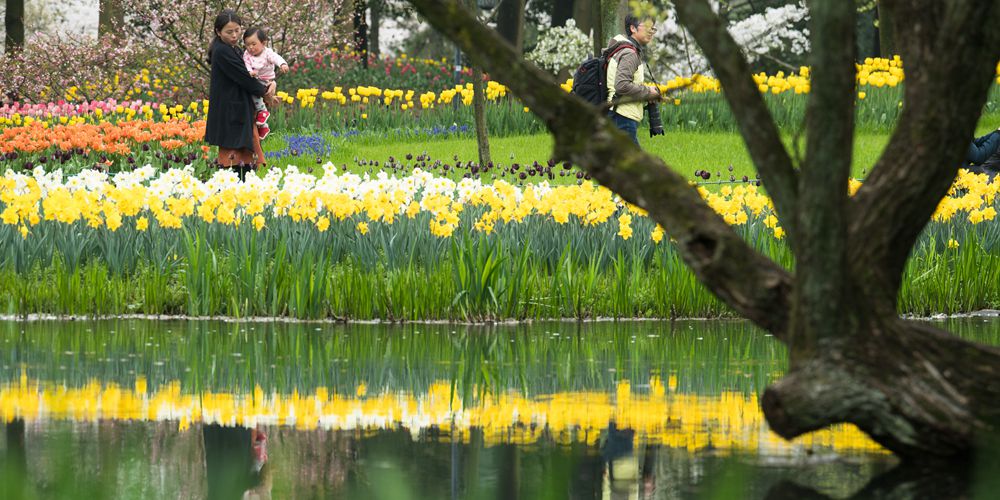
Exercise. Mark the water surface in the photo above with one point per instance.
(189, 409)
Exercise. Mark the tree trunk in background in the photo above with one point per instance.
(111, 16)
(376, 25)
(14, 26)
(585, 14)
(868, 45)
(510, 23)
(478, 99)
(885, 36)
(361, 31)
(479, 109)
(562, 11)
(612, 16)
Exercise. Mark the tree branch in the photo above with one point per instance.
(822, 246)
(947, 79)
(753, 285)
(754, 120)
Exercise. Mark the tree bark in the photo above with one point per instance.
(479, 110)
(562, 11)
(585, 14)
(14, 26)
(821, 228)
(361, 31)
(611, 19)
(479, 101)
(110, 18)
(919, 391)
(375, 27)
(510, 23)
(885, 37)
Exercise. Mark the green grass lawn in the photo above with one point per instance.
(684, 151)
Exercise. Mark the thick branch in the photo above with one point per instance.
(822, 244)
(753, 285)
(747, 105)
(950, 49)
(917, 390)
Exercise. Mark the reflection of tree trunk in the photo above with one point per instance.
(509, 487)
(14, 26)
(510, 22)
(471, 464)
(227, 461)
(586, 479)
(14, 464)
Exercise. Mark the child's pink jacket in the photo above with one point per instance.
(263, 64)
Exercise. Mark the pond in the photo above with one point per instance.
(195, 409)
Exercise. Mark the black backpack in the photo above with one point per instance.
(590, 82)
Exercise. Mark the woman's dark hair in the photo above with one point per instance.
(225, 17)
(256, 30)
(631, 21)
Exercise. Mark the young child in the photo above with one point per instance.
(261, 61)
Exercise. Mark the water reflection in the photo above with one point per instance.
(130, 409)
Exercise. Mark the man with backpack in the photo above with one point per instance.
(625, 76)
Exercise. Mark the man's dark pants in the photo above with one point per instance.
(626, 125)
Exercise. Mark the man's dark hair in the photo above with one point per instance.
(631, 21)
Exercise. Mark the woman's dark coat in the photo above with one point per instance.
(230, 109)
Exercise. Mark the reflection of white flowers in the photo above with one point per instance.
(562, 47)
(775, 30)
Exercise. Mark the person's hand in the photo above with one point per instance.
(272, 88)
(253, 73)
(284, 68)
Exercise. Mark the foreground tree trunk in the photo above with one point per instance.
(919, 391)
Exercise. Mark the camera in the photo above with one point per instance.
(655, 123)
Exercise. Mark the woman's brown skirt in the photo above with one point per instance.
(234, 157)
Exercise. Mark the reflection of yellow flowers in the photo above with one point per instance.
(728, 422)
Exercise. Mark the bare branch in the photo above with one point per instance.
(755, 122)
(947, 79)
(753, 285)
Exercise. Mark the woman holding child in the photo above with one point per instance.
(231, 114)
